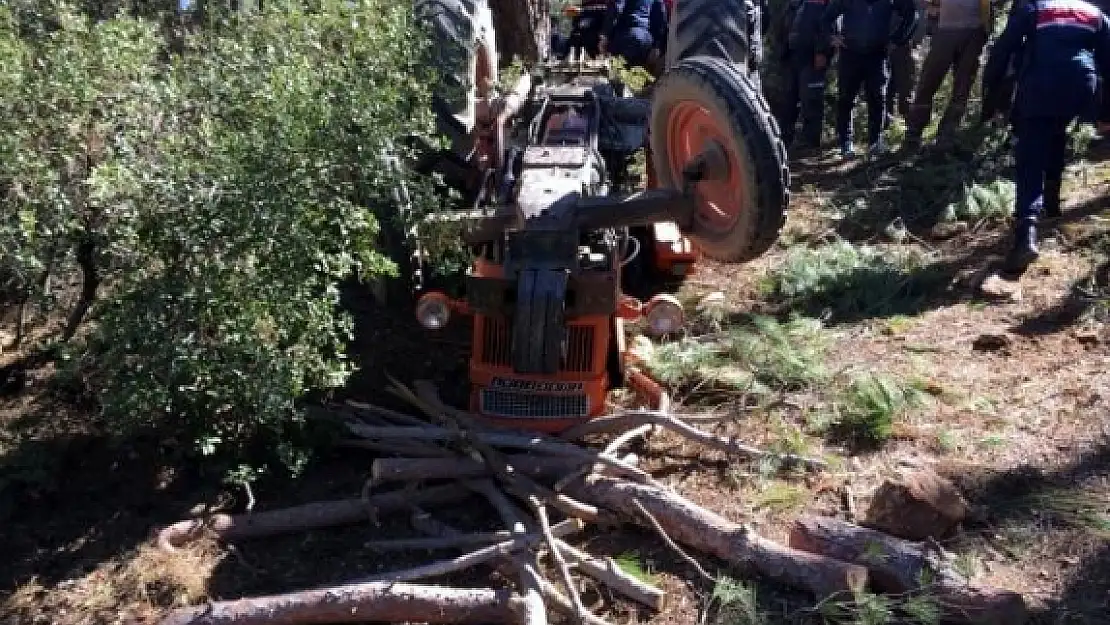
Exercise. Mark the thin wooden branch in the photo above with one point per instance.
(654, 522)
(611, 449)
(727, 445)
(510, 515)
(431, 544)
(427, 396)
(422, 469)
(397, 447)
(473, 558)
(557, 558)
(426, 523)
(360, 603)
(535, 444)
(609, 573)
(300, 518)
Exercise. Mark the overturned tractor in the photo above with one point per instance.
(557, 231)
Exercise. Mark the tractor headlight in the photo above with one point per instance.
(664, 315)
(433, 311)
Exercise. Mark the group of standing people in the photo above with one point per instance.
(1045, 70)
(874, 43)
(1048, 68)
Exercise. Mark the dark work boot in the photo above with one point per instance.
(1024, 251)
(1052, 199)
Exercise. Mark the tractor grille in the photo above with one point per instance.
(497, 346)
(531, 406)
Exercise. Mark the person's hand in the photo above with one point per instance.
(602, 44)
(820, 61)
(837, 41)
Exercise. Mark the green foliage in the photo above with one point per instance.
(852, 281)
(994, 199)
(739, 603)
(635, 78)
(758, 356)
(632, 564)
(869, 407)
(226, 187)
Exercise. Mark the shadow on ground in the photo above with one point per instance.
(1029, 506)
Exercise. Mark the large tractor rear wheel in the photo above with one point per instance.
(705, 102)
(465, 53)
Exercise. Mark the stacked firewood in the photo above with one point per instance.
(545, 490)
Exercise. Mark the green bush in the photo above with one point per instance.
(224, 189)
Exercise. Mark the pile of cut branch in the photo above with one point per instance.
(544, 489)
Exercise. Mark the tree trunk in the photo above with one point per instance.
(708, 532)
(900, 566)
(361, 603)
(303, 518)
(523, 28)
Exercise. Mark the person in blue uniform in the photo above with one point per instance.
(1061, 49)
(587, 21)
(635, 30)
(799, 34)
(864, 40)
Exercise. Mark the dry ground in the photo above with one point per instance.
(1019, 421)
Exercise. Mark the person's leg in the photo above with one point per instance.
(813, 105)
(963, 79)
(793, 79)
(901, 81)
(850, 78)
(1055, 159)
(933, 71)
(1030, 158)
(875, 81)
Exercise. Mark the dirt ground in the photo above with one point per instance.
(1014, 419)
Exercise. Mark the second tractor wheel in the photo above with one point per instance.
(465, 52)
(709, 28)
(704, 102)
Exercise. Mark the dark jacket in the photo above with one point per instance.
(801, 32)
(1060, 48)
(627, 15)
(866, 24)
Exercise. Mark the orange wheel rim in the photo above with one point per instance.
(691, 128)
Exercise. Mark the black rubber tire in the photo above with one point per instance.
(459, 29)
(717, 28)
(736, 104)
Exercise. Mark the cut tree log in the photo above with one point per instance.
(629, 420)
(302, 518)
(421, 469)
(361, 603)
(708, 532)
(901, 566)
(916, 506)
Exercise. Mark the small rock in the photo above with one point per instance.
(992, 342)
(916, 506)
(995, 286)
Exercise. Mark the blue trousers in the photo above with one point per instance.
(634, 44)
(1040, 149)
(871, 71)
(805, 93)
